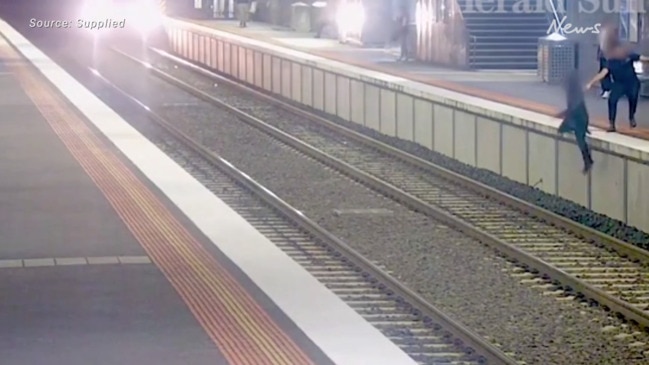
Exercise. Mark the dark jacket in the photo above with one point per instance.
(575, 120)
(575, 116)
(403, 22)
(623, 70)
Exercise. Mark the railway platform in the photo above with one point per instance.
(111, 253)
(521, 89)
(517, 143)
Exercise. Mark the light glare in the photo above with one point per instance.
(350, 19)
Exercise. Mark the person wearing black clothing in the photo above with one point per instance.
(575, 117)
(326, 19)
(404, 25)
(243, 11)
(621, 68)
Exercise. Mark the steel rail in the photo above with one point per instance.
(533, 263)
(491, 353)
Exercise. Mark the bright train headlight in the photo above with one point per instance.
(144, 16)
(96, 11)
(350, 18)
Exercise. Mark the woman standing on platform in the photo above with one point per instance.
(243, 12)
(620, 67)
(608, 38)
(403, 30)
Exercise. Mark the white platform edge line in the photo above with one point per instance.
(354, 71)
(341, 333)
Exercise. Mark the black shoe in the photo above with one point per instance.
(633, 123)
(611, 128)
(587, 167)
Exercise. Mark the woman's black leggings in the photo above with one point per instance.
(619, 89)
(606, 81)
(404, 39)
(580, 136)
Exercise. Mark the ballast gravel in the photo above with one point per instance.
(458, 274)
(558, 205)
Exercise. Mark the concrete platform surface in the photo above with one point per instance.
(97, 314)
(521, 89)
(50, 207)
(77, 287)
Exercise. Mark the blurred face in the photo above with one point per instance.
(608, 24)
(619, 52)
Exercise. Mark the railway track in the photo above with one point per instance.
(421, 330)
(573, 260)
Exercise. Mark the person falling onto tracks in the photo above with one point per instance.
(620, 65)
(575, 117)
